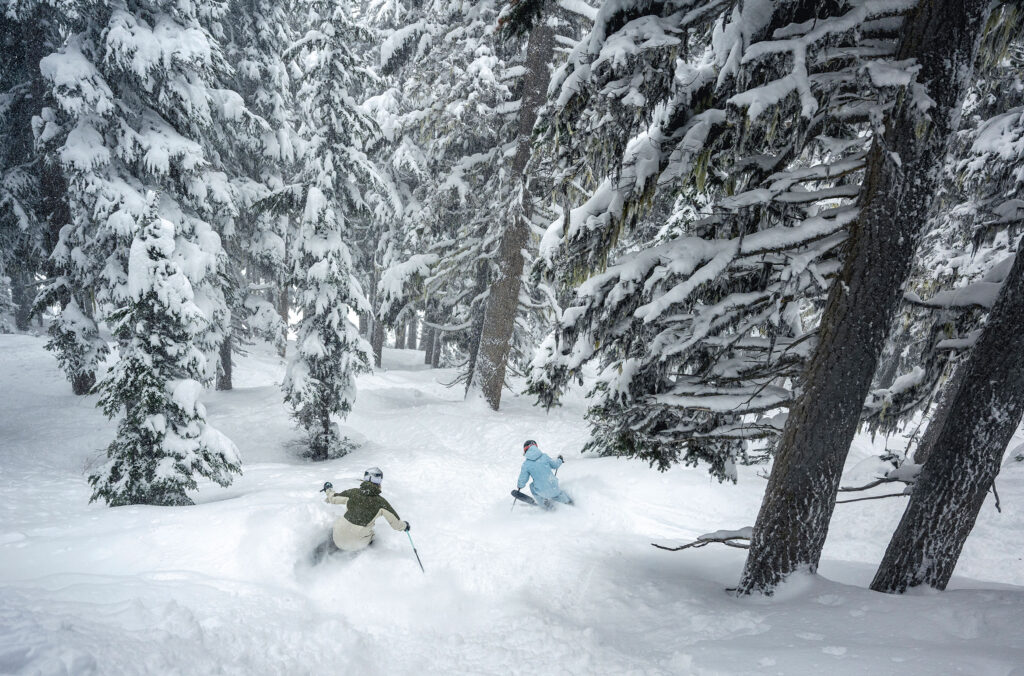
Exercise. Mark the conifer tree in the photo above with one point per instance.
(32, 201)
(141, 105)
(710, 214)
(329, 194)
(163, 441)
(901, 180)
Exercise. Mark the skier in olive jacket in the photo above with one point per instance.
(538, 466)
(354, 531)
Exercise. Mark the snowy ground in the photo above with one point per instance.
(222, 587)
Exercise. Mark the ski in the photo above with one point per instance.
(518, 495)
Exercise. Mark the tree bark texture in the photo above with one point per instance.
(224, 368)
(23, 294)
(476, 329)
(435, 353)
(400, 336)
(902, 174)
(428, 343)
(411, 341)
(985, 412)
(503, 300)
(377, 342)
(942, 409)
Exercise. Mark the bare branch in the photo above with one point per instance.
(875, 497)
(736, 542)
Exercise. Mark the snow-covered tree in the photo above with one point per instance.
(903, 173)
(256, 34)
(163, 441)
(330, 194)
(714, 155)
(460, 75)
(141, 106)
(32, 201)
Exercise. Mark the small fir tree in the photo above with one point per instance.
(163, 441)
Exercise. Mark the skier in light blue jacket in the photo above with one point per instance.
(538, 466)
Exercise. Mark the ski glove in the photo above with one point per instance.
(407, 526)
(561, 458)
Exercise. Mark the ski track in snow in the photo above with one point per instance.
(224, 587)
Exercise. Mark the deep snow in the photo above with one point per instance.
(223, 587)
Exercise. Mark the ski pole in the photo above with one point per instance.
(415, 552)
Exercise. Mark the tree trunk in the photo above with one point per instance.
(503, 300)
(400, 336)
(435, 355)
(377, 342)
(23, 295)
(428, 343)
(985, 412)
(283, 309)
(889, 361)
(364, 324)
(942, 409)
(476, 329)
(224, 369)
(410, 337)
(902, 173)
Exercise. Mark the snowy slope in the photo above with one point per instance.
(223, 587)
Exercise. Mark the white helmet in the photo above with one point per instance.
(373, 475)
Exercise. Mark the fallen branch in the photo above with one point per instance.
(875, 497)
(865, 487)
(729, 538)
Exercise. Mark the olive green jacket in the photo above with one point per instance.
(365, 505)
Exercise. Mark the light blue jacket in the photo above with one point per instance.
(539, 466)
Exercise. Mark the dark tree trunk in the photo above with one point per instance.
(476, 329)
(283, 308)
(364, 324)
(400, 336)
(503, 300)
(377, 341)
(23, 295)
(435, 355)
(410, 336)
(889, 365)
(985, 412)
(942, 409)
(793, 521)
(428, 343)
(224, 368)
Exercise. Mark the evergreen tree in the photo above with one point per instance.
(256, 35)
(141, 106)
(714, 207)
(163, 440)
(904, 167)
(336, 173)
(985, 411)
(503, 299)
(32, 201)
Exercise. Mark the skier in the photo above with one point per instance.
(538, 466)
(353, 532)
